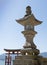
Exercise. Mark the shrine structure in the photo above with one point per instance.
(8, 57)
(29, 53)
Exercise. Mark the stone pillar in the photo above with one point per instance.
(29, 35)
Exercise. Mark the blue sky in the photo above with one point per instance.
(10, 31)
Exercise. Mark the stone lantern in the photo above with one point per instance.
(29, 53)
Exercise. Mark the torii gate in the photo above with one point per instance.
(8, 58)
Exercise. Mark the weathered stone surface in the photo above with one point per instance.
(30, 60)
